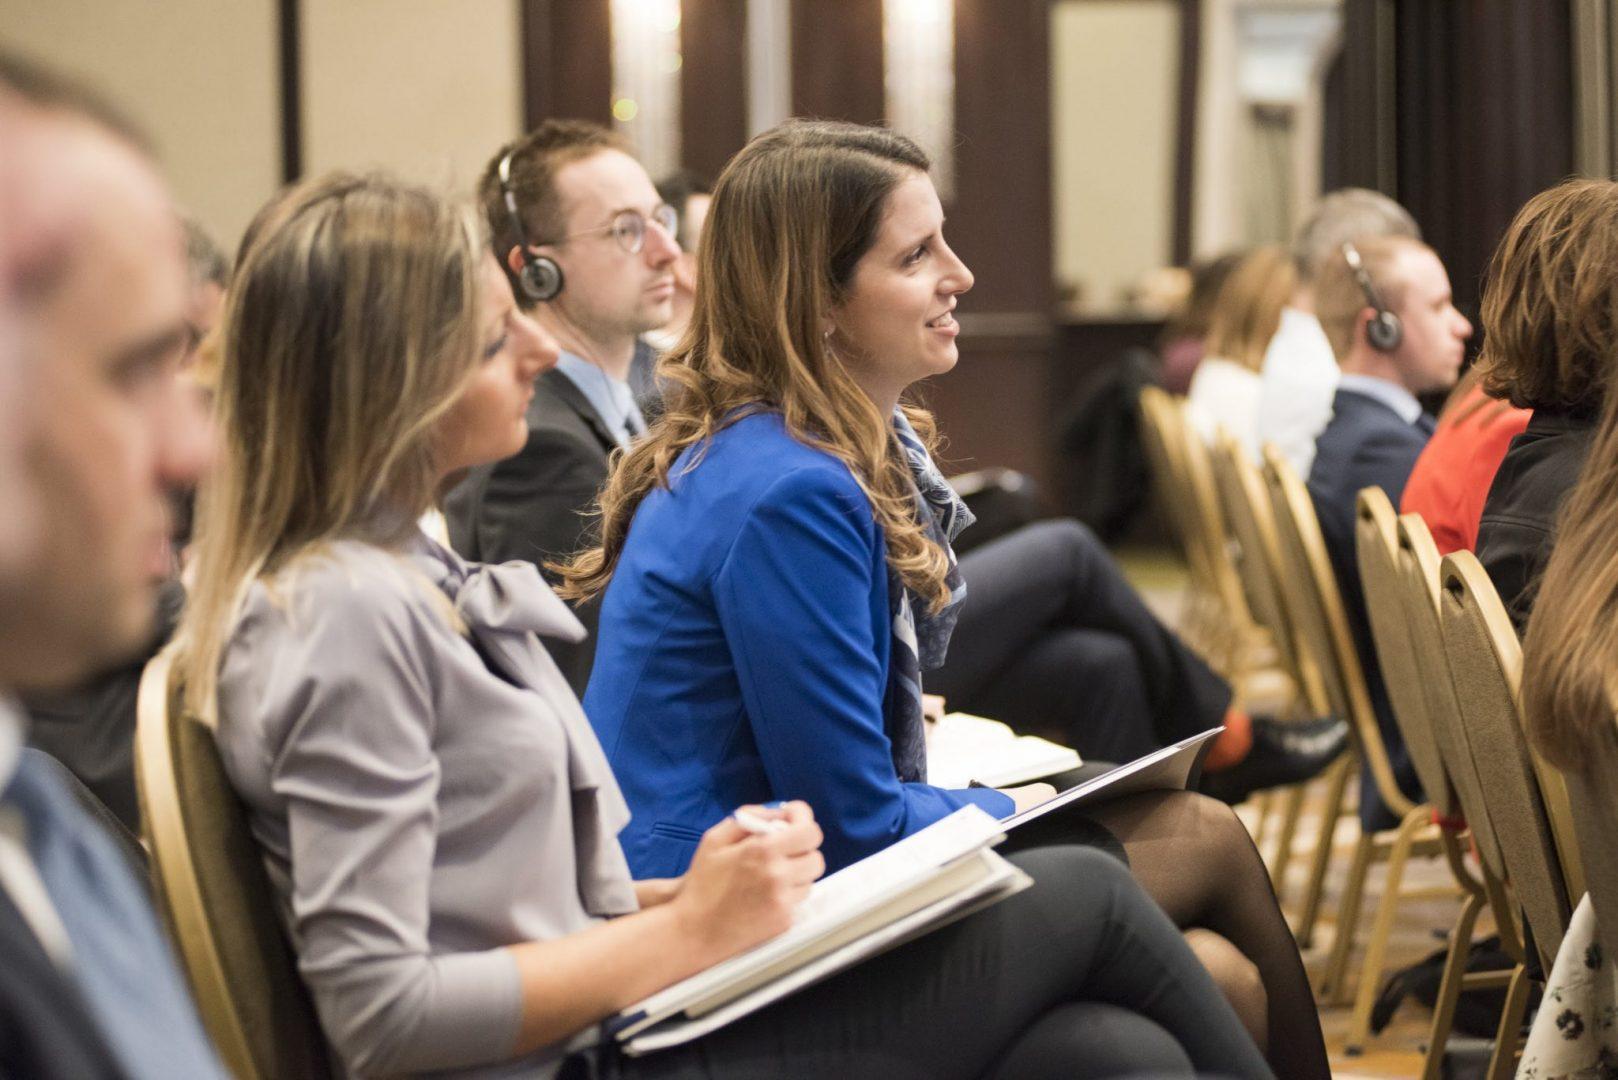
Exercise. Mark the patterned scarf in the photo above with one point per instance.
(920, 640)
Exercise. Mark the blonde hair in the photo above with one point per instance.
(1247, 313)
(792, 215)
(349, 330)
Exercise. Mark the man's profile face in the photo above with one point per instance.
(1435, 333)
(608, 290)
(111, 434)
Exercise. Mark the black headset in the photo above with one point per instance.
(1384, 332)
(540, 278)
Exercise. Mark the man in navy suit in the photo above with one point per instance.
(1386, 307)
(589, 246)
(92, 329)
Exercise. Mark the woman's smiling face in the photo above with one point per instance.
(896, 322)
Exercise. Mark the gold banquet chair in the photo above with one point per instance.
(1323, 629)
(1160, 422)
(1393, 632)
(1526, 800)
(1418, 568)
(1247, 510)
(215, 897)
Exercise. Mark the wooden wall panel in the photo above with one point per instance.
(837, 59)
(567, 60)
(713, 83)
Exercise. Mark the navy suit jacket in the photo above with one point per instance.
(744, 655)
(1366, 444)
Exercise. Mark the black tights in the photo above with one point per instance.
(1194, 857)
(1079, 977)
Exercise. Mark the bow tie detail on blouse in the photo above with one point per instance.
(512, 596)
(503, 606)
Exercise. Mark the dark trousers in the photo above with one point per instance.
(1053, 637)
(1080, 977)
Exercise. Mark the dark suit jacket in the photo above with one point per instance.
(1517, 531)
(46, 1030)
(536, 505)
(1365, 444)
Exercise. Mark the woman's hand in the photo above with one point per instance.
(654, 891)
(1029, 796)
(743, 886)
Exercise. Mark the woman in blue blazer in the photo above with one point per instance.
(778, 549)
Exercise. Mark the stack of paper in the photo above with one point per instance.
(921, 883)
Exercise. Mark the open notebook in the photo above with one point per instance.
(1172, 768)
(962, 748)
(921, 883)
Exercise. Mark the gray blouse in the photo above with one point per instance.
(423, 797)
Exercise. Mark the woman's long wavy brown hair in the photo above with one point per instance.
(792, 215)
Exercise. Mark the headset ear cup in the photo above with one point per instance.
(1384, 332)
(541, 278)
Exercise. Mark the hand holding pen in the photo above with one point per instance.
(748, 875)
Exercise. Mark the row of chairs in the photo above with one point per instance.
(1452, 665)
(1264, 607)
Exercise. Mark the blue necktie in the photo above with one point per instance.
(121, 962)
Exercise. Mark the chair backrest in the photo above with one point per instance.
(1322, 623)
(1376, 548)
(1162, 424)
(1418, 573)
(1486, 664)
(1208, 518)
(1247, 509)
(215, 895)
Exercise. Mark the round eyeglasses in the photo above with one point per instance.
(628, 227)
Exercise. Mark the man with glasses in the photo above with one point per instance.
(590, 250)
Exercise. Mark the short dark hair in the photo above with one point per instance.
(677, 189)
(536, 158)
(45, 87)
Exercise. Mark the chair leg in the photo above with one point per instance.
(1291, 811)
(1449, 989)
(1503, 1063)
(1265, 802)
(1376, 949)
(1336, 783)
(1333, 987)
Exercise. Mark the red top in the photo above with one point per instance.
(1452, 476)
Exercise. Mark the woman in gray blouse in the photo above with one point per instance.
(435, 812)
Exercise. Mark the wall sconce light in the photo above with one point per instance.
(646, 65)
(918, 49)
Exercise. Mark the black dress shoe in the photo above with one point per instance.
(1283, 753)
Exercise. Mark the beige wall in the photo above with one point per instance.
(426, 88)
(1114, 72)
(199, 75)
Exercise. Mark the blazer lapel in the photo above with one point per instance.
(565, 389)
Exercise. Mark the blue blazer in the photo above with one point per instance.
(743, 655)
(1366, 444)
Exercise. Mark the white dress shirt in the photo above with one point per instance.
(1299, 381)
(1225, 394)
(1391, 394)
